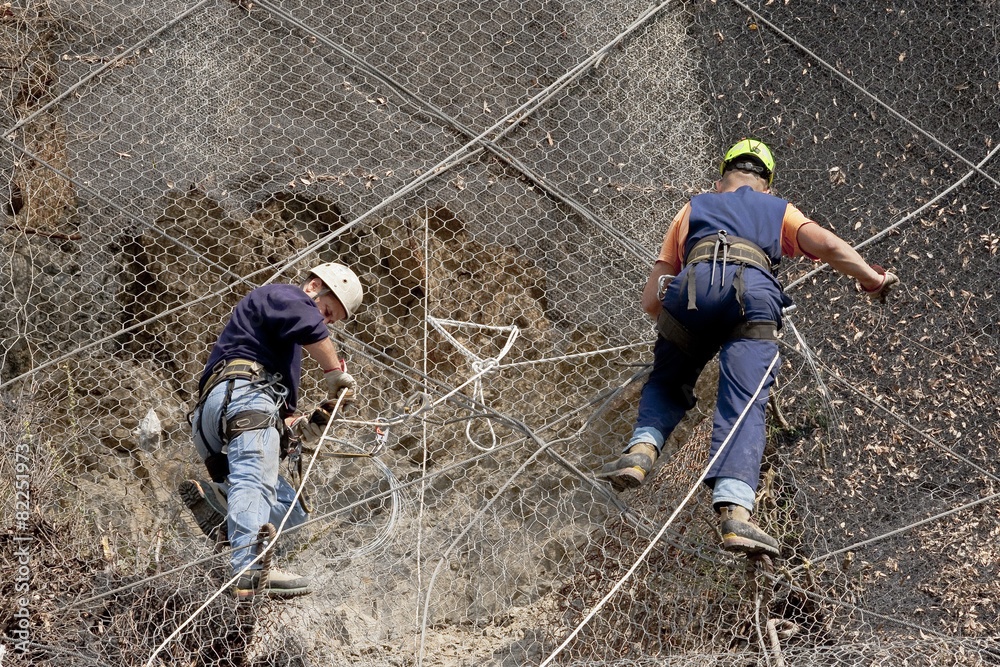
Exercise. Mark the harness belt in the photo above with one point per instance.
(734, 249)
(248, 420)
(669, 328)
(233, 369)
(761, 330)
(217, 463)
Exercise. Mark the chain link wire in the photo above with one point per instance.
(501, 167)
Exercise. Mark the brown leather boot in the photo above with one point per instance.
(742, 535)
(631, 469)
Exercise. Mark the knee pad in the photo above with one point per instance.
(684, 396)
(218, 467)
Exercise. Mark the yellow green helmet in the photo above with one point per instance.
(761, 161)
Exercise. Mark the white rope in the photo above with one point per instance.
(480, 366)
(422, 494)
(652, 543)
(577, 355)
(427, 407)
(757, 602)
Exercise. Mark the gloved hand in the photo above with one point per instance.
(337, 381)
(888, 281)
(306, 429)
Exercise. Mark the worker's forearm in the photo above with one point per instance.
(830, 248)
(650, 304)
(651, 292)
(846, 260)
(324, 352)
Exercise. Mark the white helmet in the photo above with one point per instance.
(342, 282)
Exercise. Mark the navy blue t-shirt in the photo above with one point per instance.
(270, 325)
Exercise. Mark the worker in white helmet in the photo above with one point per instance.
(246, 410)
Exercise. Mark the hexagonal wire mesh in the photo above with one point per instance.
(500, 176)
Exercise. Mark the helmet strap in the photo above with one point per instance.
(749, 165)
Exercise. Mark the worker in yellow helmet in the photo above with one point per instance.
(712, 290)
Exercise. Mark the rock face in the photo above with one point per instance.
(228, 152)
(166, 157)
(122, 411)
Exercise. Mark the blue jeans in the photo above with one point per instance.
(255, 492)
(669, 392)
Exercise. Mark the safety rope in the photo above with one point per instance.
(422, 491)
(824, 393)
(480, 365)
(576, 355)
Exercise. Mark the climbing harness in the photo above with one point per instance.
(669, 328)
(235, 369)
(734, 249)
(229, 371)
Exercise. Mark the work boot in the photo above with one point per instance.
(207, 504)
(631, 469)
(741, 535)
(276, 583)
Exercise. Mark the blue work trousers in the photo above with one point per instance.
(255, 492)
(743, 363)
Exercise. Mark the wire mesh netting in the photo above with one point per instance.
(500, 176)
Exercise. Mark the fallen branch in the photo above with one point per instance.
(48, 235)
